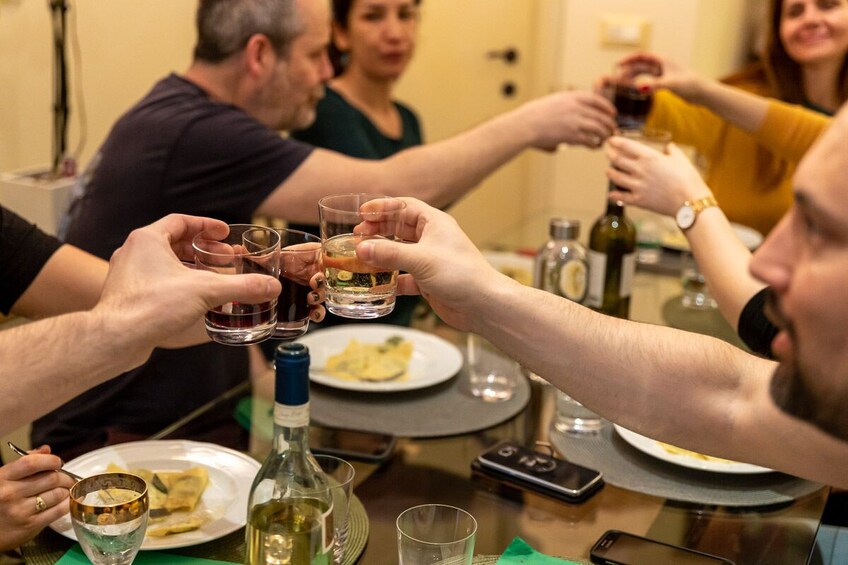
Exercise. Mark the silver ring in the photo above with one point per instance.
(40, 505)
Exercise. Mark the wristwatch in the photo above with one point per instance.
(688, 213)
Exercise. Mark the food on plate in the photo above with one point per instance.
(174, 498)
(694, 454)
(371, 362)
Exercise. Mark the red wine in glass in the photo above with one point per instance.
(292, 303)
(236, 315)
(632, 104)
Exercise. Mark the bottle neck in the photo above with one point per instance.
(291, 427)
(614, 207)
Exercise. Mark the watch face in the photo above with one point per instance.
(685, 217)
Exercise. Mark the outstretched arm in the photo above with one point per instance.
(149, 299)
(686, 389)
(662, 183)
(440, 173)
(743, 109)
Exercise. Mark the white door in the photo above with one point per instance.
(462, 75)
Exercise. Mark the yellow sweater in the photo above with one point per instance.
(750, 174)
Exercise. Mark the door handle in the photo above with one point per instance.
(508, 55)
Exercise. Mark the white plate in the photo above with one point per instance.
(652, 447)
(230, 476)
(434, 360)
(677, 241)
(513, 265)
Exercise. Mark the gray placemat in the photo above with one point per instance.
(442, 410)
(625, 466)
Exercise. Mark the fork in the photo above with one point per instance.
(22, 453)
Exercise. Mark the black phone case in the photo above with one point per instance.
(511, 485)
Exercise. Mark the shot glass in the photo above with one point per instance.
(632, 99)
(341, 474)
(356, 290)
(246, 249)
(110, 525)
(436, 533)
(492, 376)
(300, 259)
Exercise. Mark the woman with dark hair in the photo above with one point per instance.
(804, 62)
(372, 45)
(373, 42)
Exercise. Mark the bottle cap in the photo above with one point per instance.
(291, 363)
(564, 228)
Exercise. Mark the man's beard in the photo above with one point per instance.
(790, 386)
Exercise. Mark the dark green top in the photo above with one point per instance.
(341, 127)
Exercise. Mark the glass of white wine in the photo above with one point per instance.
(109, 515)
(354, 289)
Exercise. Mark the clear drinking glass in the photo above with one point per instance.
(246, 249)
(356, 290)
(574, 418)
(436, 533)
(300, 258)
(492, 376)
(340, 474)
(696, 293)
(110, 524)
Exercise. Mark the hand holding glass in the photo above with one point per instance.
(110, 525)
(354, 289)
(246, 249)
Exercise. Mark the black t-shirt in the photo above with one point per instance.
(174, 151)
(24, 249)
(754, 328)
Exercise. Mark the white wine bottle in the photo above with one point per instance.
(612, 261)
(289, 518)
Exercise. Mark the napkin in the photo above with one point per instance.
(75, 556)
(519, 553)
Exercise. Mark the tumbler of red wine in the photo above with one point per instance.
(300, 259)
(632, 99)
(246, 249)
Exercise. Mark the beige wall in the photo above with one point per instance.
(126, 46)
(706, 35)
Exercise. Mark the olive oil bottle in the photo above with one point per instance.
(289, 514)
(612, 261)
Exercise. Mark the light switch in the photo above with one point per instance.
(622, 30)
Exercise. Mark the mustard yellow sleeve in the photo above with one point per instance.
(789, 130)
(689, 124)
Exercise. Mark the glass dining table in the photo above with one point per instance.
(438, 470)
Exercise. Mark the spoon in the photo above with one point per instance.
(22, 453)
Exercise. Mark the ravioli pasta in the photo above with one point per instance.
(174, 498)
(372, 362)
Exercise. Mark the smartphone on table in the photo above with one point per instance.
(620, 548)
(527, 468)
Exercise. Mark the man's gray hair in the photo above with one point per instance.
(225, 26)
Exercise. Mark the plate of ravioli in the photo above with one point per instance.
(198, 491)
(380, 358)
